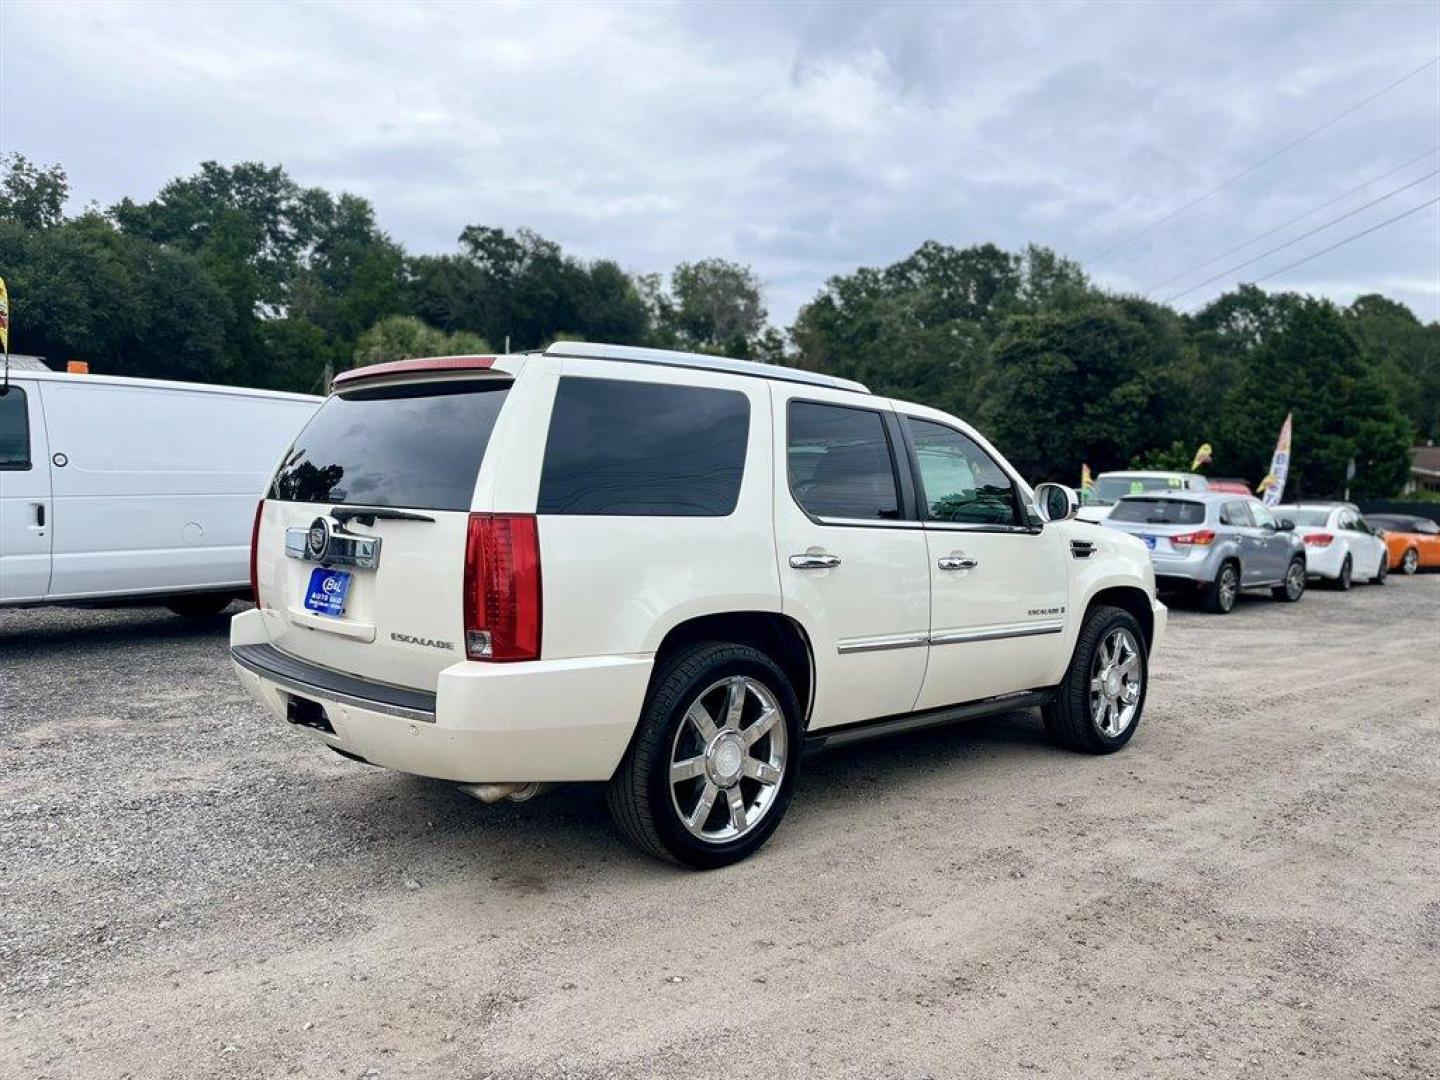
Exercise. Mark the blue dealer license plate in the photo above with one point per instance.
(327, 591)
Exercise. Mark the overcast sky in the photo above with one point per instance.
(803, 139)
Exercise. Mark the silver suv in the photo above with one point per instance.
(1215, 543)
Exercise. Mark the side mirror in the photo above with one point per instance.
(1056, 502)
(1285, 525)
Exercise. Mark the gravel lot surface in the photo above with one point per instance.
(190, 889)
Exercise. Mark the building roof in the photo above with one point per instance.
(1425, 459)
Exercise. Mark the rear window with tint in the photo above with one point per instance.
(1159, 511)
(637, 449)
(1307, 517)
(14, 431)
(417, 446)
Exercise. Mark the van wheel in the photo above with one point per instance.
(1219, 597)
(1411, 562)
(712, 766)
(1098, 705)
(1294, 586)
(199, 605)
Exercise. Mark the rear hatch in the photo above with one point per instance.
(1169, 527)
(361, 549)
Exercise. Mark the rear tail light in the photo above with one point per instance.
(502, 587)
(1318, 539)
(1199, 538)
(254, 553)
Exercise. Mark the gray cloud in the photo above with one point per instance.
(804, 139)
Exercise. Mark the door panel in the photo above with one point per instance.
(998, 591)
(852, 570)
(1272, 548)
(26, 517)
(996, 627)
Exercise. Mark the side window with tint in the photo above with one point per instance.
(1234, 513)
(840, 462)
(14, 431)
(1261, 514)
(638, 449)
(961, 482)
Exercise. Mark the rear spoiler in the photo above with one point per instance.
(406, 367)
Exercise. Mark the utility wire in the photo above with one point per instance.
(1286, 224)
(1302, 236)
(1347, 240)
(1267, 159)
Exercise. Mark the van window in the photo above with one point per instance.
(961, 482)
(840, 462)
(416, 446)
(636, 449)
(14, 431)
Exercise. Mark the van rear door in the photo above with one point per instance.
(362, 543)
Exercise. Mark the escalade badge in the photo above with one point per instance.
(317, 540)
(430, 643)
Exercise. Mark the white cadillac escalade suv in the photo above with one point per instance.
(671, 573)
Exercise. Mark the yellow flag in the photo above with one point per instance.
(1087, 485)
(4, 318)
(1202, 456)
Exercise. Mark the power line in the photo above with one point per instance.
(1267, 159)
(1348, 239)
(1303, 236)
(1286, 224)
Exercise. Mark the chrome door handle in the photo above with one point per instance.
(958, 562)
(814, 562)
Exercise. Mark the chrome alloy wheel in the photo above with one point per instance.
(1116, 681)
(1295, 581)
(1411, 562)
(1229, 586)
(728, 759)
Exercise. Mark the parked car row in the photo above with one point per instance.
(1212, 543)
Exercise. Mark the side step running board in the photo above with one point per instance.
(916, 721)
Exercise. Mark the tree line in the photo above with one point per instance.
(237, 274)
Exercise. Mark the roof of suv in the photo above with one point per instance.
(634, 354)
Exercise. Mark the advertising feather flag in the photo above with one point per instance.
(1202, 456)
(1273, 485)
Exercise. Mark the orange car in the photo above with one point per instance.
(1414, 542)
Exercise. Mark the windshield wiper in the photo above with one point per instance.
(367, 515)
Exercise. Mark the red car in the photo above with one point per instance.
(1228, 484)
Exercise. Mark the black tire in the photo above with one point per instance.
(1294, 587)
(1410, 561)
(1383, 572)
(1220, 595)
(1346, 578)
(639, 794)
(199, 605)
(1069, 717)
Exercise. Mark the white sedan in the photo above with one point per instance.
(1340, 546)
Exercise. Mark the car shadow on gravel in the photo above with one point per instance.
(106, 628)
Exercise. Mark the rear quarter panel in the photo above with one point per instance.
(617, 585)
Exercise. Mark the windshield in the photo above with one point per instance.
(417, 446)
(1110, 488)
(1304, 517)
(1159, 511)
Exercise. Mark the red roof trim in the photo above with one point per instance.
(405, 367)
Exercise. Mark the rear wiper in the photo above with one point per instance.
(366, 515)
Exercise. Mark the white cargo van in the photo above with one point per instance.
(134, 490)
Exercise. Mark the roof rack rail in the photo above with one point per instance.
(634, 354)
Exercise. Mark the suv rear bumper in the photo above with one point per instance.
(545, 720)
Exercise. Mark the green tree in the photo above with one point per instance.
(1406, 351)
(1307, 362)
(717, 305)
(403, 337)
(31, 196)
